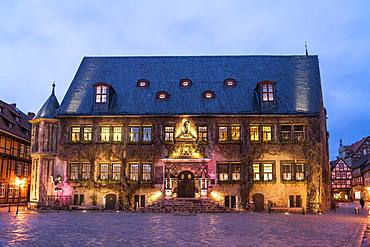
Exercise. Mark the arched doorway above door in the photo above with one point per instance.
(186, 185)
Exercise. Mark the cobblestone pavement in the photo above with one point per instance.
(343, 228)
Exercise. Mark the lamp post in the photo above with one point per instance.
(20, 183)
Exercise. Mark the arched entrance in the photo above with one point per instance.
(186, 185)
(110, 201)
(259, 200)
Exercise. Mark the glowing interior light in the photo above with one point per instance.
(84, 211)
(208, 95)
(162, 96)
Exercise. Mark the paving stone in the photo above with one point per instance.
(137, 229)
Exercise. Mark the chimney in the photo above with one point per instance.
(31, 115)
(13, 105)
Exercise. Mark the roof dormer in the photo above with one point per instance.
(103, 96)
(266, 91)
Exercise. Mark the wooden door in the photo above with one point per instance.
(186, 185)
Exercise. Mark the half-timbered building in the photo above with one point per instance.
(341, 180)
(132, 131)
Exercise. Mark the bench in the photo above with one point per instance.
(287, 210)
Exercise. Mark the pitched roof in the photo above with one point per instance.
(14, 122)
(298, 85)
(50, 107)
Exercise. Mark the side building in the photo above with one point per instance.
(15, 159)
(134, 130)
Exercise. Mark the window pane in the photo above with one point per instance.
(298, 133)
(147, 172)
(104, 89)
(73, 172)
(75, 134)
(267, 172)
(222, 133)
(299, 171)
(104, 171)
(117, 134)
(105, 134)
(98, 98)
(104, 98)
(134, 134)
(254, 133)
(267, 133)
(286, 171)
(235, 133)
(147, 134)
(169, 133)
(116, 171)
(87, 134)
(256, 172)
(86, 171)
(134, 172)
(202, 133)
(223, 172)
(98, 90)
(235, 172)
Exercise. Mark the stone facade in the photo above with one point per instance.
(99, 157)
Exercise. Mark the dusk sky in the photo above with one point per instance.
(45, 41)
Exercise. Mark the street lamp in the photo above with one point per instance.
(19, 183)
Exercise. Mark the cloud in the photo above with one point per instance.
(44, 41)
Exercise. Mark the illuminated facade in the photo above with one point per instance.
(15, 160)
(134, 130)
(341, 180)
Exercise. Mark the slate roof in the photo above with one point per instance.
(298, 85)
(9, 116)
(50, 107)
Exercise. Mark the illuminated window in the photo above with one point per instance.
(223, 172)
(208, 94)
(286, 171)
(254, 133)
(105, 133)
(266, 133)
(26, 170)
(10, 192)
(104, 171)
(134, 134)
(256, 172)
(86, 171)
(169, 133)
(142, 83)
(235, 133)
(185, 83)
(202, 133)
(101, 94)
(162, 95)
(267, 92)
(286, 133)
(2, 190)
(87, 134)
(222, 133)
(75, 134)
(16, 191)
(235, 172)
(230, 83)
(147, 134)
(73, 171)
(147, 172)
(117, 133)
(134, 172)
(298, 133)
(267, 172)
(116, 172)
(18, 172)
(299, 171)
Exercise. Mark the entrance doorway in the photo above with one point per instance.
(110, 201)
(259, 200)
(186, 185)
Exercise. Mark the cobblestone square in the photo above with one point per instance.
(130, 229)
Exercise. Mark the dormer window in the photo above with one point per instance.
(208, 94)
(230, 82)
(101, 94)
(17, 119)
(162, 95)
(185, 83)
(142, 83)
(267, 91)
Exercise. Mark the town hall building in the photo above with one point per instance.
(134, 131)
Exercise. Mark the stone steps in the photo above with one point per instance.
(181, 205)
